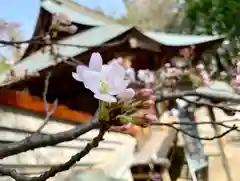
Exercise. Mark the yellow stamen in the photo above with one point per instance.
(104, 87)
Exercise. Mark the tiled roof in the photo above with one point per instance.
(75, 16)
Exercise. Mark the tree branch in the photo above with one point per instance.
(42, 41)
(46, 107)
(37, 141)
(217, 96)
(62, 167)
(171, 125)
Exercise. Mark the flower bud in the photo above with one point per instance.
(147, 104)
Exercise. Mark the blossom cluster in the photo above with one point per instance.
(238, 77)
(143, 75)
(62, 23)
(178, 73)
(117, 102)
(204, 74)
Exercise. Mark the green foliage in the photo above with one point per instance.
(213, 17)
(151, 15)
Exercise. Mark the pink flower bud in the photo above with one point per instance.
(147, 104)
(146, 91)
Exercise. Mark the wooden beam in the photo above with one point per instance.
(220, 145)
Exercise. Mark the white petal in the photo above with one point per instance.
(92, 80)
(115, 78)
(119, 87)
(96, 62)
(141, 75)
(77, 77)
(105, 97)
(130, 75)
(126, 95)
(106, 69)
(116, 72)
(81, 68)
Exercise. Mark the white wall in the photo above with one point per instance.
(111, 160)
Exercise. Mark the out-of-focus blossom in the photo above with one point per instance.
(204, 74)
(62, 22)
(130, 74)
(187, 52)
(238, 83)
(61, 18)
(118, 60)
(200, 66)
(7, 30)
(72, 29)
(238, 77)
(172, 72)
(126, 95)
(179, 62)
(146, 76)
(238, 67)
(167, 65)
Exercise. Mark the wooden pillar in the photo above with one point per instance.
(220, 145)
(165, 175)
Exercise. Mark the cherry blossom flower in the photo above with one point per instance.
(204, 74)
(179, 62)
(107, 84)
(130, 74)
(61, 18)
(105, 81)
(72, 29)
(238, 67)
(61, 22)
(238, 83)
(146, 76)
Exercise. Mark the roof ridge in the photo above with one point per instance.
(83, 9)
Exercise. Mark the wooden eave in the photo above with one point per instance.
(32, 103)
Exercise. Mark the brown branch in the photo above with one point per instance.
(201, 103)
(13, 174)
(14, 43)
(56, 169)
(217, 96)
(44, 42)
(48, 112)
(171, 125)
(37, 141)
(62, 167)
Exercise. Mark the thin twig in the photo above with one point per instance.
(56, 169)
(234, 127)
(43, 42)
(175, 95)
(201, 103)
(46, 107)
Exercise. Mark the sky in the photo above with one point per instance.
(26, 12)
